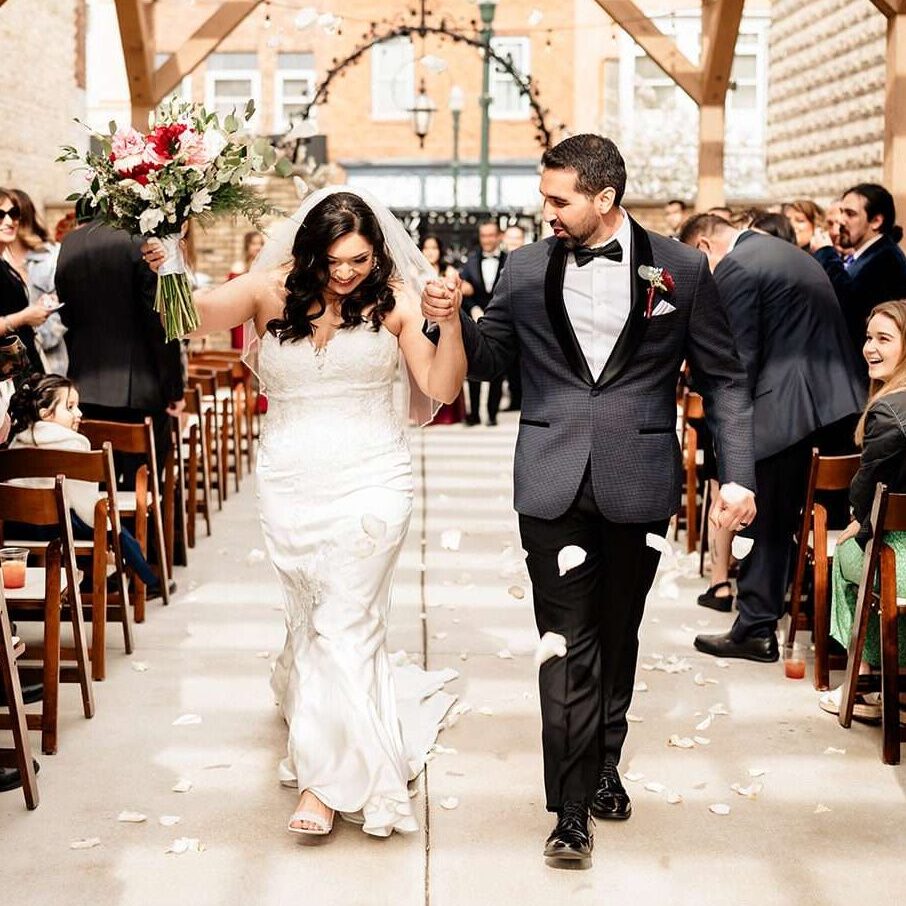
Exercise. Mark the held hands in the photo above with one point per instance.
(442, 299)
(734, 508)
(154, 254)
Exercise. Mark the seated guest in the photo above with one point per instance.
(882, 435)
(876, 272)
(674, 215)
(805, 217)
(45, 415)
(774, 225)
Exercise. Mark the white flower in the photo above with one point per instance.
(200, 200)
(214, 142)
(149, 219)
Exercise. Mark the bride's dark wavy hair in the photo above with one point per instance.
(336, 216)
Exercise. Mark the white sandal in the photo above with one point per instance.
(323, 825)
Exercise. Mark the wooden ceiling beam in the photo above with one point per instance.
(662, 49)
(137, 38)
(206, 38)
(720, 29)
(891, 8)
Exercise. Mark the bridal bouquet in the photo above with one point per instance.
(187, 165)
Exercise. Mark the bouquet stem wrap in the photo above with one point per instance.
(173, 300)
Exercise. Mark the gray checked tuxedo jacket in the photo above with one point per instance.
(622, 421)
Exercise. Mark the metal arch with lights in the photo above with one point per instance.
(375, 35)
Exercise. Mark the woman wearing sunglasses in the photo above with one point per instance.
(17, 316)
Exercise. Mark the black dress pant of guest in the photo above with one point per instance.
(781, 481)
(127, 464)
(597, 607)
(495, 392)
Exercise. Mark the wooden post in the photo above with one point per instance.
(895, 113)
(137, 38)
(710, 157)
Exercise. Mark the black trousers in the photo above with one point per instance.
(126, 464)
(781, 481)
(598, 608)
(495, 391)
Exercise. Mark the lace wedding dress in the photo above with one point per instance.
(335, 492)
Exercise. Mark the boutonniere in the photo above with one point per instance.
(659, 280)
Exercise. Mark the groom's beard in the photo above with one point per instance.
(577, 236)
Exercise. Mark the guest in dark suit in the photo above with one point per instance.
(873, 268)
(479, 275)
(118, 355)
(602, 335)
(803, 380)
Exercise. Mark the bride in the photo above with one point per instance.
(334, 300)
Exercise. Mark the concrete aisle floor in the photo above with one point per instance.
(824, 828)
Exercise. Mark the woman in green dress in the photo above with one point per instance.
(881, 433)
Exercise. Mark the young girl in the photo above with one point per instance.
(45, 414)
(882, 435)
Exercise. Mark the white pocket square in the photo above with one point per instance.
(662, 308)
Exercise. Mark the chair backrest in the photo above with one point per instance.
(38, 506)
(204, 379)
(192, 397)
(834, 473)
(88, 465)
(693, 405)
(888, 514)
(123, 437)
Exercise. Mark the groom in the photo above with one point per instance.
(602, 337)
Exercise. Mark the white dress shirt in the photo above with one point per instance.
(489, 267)
(598, 298)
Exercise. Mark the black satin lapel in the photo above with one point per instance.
(556, 311)
(637, 323)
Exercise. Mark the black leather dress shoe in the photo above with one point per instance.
(611, 801)
(11, 779)
(751, 649)
(572, 839)
(154, 591)
(31, 692)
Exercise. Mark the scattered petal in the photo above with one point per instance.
(455, 773)
(703, 623)
(187, 720)
(832, 750)
(516, 591)
(450, 539)
(654, 787)
(719, 808)
(438, 749)
(821, 809)
(668, 589)
(505, 654)
(647, 667)
(699, 679)
(718, 710)
(687, 628)
(139, 666)
(674, 798)
(720, 662)
(551, 644)
(680, 742)
(463, 655)
(570, 557)
(85, 843)
(749, 792)
(634, 718)
(701, 740)
(640, 686)
(264, 655)
(704, 724)
(486, 711)
(185, 845)
(659, 543)
(374, 527)
(182, 786)
(169, 820)
(633, 776)
(131, 817)
(449, 803)
(700, 785)
(440, 636)
(655, 620)
(255, 556)
(218, 766)
(757, 772)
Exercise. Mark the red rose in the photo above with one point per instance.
(163, 143)
(668, 281)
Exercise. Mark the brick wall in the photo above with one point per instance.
(826, 102)
(40, 96)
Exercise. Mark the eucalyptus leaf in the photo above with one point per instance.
(250, 109)
(283, 167)
(230, 123)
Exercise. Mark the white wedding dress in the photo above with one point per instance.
(335, 491)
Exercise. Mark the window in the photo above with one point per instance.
(392, 79)
(507, 101)
(231, 80)
(294, 87)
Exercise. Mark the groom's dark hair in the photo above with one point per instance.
(596, 160)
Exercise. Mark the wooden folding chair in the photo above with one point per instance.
(206, 382)
(174, 503)
(815, 552)
(229, 422)
(47, 589)
(196, 465)
(95, 466)
(879, 570)
(144, 502)
(692, 408)
(20, 755)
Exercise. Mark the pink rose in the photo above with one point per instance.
(127, 148)
(192, 148)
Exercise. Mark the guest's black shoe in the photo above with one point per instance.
(572, 839)
(11, 779)
(31, 692)
(611, 802)
(154, 591)
(471, 421)
(492, 422)
(723, 603)
(751, 649)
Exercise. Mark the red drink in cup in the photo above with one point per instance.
(13, 561)
(794, 661)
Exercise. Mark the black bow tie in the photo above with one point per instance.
(612, 251)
